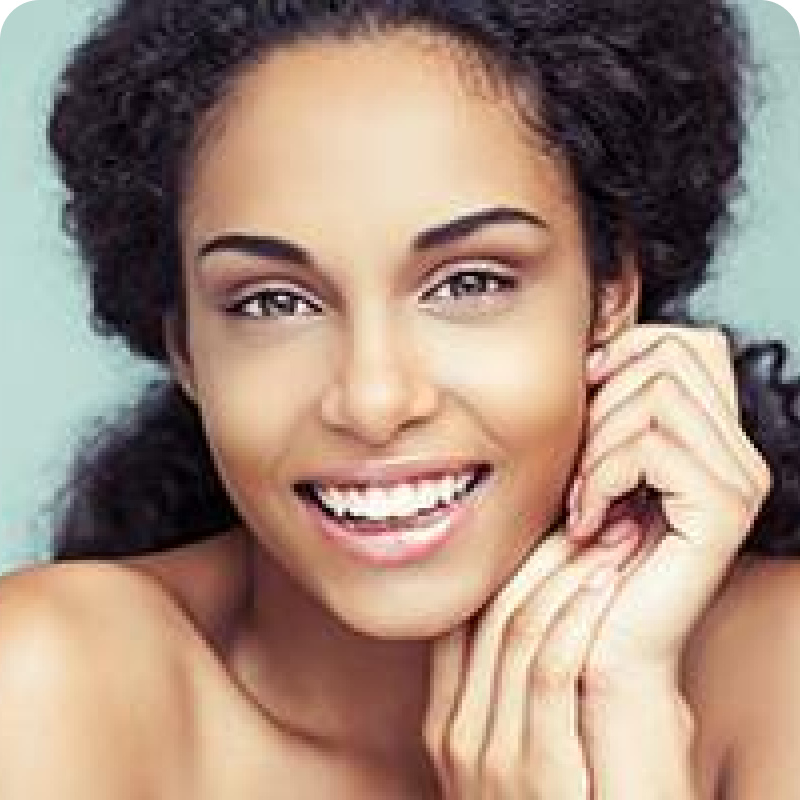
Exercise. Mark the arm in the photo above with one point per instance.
(639, 738)
(751, 667)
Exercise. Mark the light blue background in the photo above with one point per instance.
(57, 375)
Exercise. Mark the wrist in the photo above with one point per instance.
(630, 696)
(638, 738)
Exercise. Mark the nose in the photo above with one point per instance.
(381, 387)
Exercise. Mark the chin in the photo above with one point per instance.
(419, 615)
(407, 629)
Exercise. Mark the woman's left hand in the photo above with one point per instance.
(665, 414)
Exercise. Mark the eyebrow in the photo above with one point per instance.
(447, 233)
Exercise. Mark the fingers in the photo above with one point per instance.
(472, 721)
(677, 377)
(487, 749)
(536, 722)
(705, 522)
(677, 474)
(448, 660)
(676, 345)
(666, 391)
(664, 401)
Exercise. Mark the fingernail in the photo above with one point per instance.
(596, 359)
(573, 495)
(572, 521)
(590, 520)
(618, 532)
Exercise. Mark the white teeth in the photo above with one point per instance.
(336, 501)
(448, 488)
(428, 494)
(354, 499)
(399, 501)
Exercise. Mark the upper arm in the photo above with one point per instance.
(75, 695)
(762, 758)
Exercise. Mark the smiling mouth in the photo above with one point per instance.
(306, 491)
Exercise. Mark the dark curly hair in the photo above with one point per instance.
(646, 100)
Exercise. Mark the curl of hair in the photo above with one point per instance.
(139, 483)
(646, 100)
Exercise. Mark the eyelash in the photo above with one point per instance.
(506, 283)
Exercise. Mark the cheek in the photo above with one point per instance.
(255, 395)
(523, 384)
(520, 383)
(531, 398)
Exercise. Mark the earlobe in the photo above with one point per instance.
(179, 361)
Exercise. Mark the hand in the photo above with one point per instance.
(665, 418)
(502, 720)
(505, 717)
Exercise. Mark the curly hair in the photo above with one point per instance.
(646, 100)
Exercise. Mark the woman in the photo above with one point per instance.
(446, 250)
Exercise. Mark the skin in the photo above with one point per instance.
(377, 373)
(358, 680)
(665, 412)
(312, 149)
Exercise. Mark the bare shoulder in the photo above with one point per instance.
(90, 652)
(741, 677)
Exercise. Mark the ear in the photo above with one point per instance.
(178, 351)
(618, 304)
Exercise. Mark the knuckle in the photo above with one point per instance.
(596, 681)
(717, 339)
(748, 506)
(753, 507)
(438, 762)
(432, 738)
(462, 763)
(766, 478)
(554, 678)
(462, 754)
(497, 771)
(672, 347)
(522, 630)
(662, 380)
(740, 506)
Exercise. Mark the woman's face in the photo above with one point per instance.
(351, 151)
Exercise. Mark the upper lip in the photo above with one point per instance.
(386, 473)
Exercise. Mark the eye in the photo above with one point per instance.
(263, 304)
(470, 287)
(475, 284)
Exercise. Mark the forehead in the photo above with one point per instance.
(383, 127)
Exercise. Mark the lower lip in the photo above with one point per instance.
(399, 546)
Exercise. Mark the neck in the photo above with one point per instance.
(321, 681)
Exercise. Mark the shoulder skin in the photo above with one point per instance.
(95, 700)
(742, 676)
